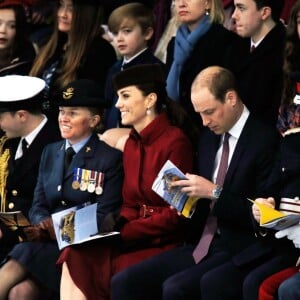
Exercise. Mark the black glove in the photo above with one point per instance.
(35, 233)
(113, 221)
(47, 225)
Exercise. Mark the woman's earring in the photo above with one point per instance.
(148, 111)
(207, 12)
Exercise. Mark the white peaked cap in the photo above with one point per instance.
(20, 92)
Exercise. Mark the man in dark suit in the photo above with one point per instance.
(259, 60)
(180, 273)
(23, 124)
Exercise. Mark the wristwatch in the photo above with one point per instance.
(216, 192)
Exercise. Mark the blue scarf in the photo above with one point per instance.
(184, 45)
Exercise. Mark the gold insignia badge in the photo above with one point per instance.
(87, 149)
(68, 94)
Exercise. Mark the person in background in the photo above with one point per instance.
(23, 124)
(16, 51)
(201, 41)
(29, 270)
(40, 14)
(288, 125)
(286, 10)
(132, 26)
(289, 111)
(148, 225)
(231, 167)
(75, 50)
(259, 60)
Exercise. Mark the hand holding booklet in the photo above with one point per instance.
(173, 195)
(275, 219)
(77, 225)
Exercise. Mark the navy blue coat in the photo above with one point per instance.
(22, 178)
(54, 193)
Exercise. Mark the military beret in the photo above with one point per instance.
(20, 92)
(140, 74)
(82, 92)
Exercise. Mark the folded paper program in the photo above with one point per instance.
(272, 218)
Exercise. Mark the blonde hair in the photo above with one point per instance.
(131, 12)
(216, 12)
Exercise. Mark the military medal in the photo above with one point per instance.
(99, 187)
(92, 182)
(83, 183)
(76, 178)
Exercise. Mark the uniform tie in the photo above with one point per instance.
(211, 223)
(252, 48)
(24, 146)
(68, 158)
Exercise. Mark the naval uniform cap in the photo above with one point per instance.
(20, 92)
(82, 93)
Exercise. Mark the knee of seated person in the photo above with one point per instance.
(23, 290)
(287, 289)
(124, 283)
(170, 287)
(119, 280)
(207, 282)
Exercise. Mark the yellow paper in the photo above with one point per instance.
(267, 214)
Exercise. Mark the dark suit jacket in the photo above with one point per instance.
(247, 177)
(259, 74)
(54, 190)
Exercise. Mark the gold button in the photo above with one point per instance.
(11, 205)
(14, 192)
(59, 188)
(63, 203)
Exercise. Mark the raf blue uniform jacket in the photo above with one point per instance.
(54, 190)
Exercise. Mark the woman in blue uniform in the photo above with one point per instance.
(31, 265)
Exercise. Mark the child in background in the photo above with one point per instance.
(132, 26)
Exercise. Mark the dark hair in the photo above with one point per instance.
(97, 111)
(21, 36)
(86, 25)
(291, 63)
(176, 114)
(275, 5)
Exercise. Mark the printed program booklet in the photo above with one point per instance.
(77, 225)
(275, 219)
(173, 195)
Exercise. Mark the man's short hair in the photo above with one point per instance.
(275, 5)
(218, 82)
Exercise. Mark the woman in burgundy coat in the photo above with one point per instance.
(147, 223)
